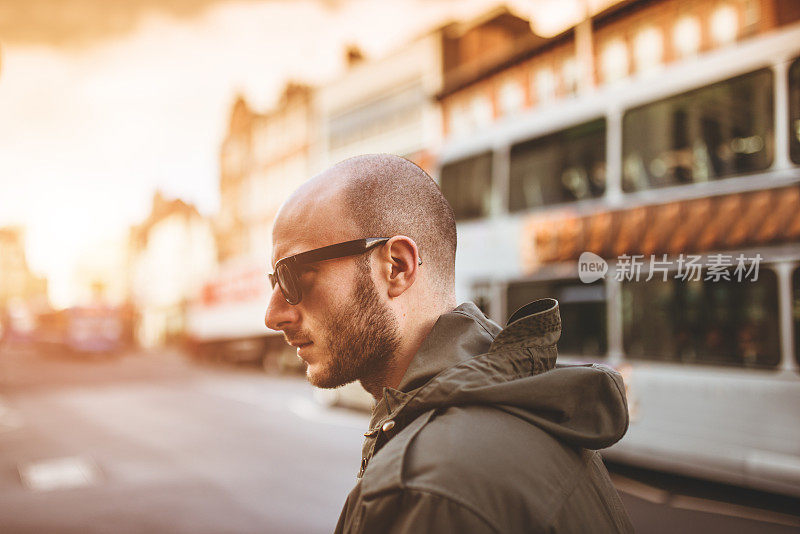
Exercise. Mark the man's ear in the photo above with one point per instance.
(401, 261)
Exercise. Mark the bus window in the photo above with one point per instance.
(719, 131)
(796, 313)
(720, 322)
(583, 312)
(794, 110)
(467, 185)
(562, 167)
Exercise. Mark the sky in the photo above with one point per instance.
(103, 103)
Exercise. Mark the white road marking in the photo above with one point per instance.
(59, 473)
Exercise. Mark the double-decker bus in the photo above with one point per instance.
(701, 160)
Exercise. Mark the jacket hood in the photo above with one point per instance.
(468, 360)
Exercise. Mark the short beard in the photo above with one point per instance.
(362, 337)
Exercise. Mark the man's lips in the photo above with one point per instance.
(302, 348)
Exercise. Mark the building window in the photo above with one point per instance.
(544, 85)
(614, 61)
(459, 120)
(389, 113)
(718, 131)
(582, 308)
(511, 97)
(467, 185)
(561, 167)
(648, 50)
(481, 108)
(706, 322)
(794, 111)
(686, 36)
(570, 75)
(724, 25)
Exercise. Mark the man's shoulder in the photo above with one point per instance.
(477, 455)
(486, 445)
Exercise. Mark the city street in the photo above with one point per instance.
(173, 448)
(150, 442)
(613, 181)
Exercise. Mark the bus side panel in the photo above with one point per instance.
(732, 425)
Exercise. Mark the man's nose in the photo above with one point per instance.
(280, 314)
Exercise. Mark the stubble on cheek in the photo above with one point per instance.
(360, 337)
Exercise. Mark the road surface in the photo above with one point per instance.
(150, 442)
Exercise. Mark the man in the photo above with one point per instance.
(474, 430)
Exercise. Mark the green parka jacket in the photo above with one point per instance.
(486, 434)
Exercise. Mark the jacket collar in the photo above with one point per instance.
(456, 336)
(464, 346)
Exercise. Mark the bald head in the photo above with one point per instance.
(382, 195)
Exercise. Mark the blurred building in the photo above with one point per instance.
(171, 254)
(102, 273)
(476, 50)
(17, 282)
(655, 146)
(377, 105)
(383, 105)
(264, 157)
(495, 67)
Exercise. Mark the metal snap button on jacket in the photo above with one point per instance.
(388, 425)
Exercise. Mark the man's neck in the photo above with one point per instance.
(392, 374)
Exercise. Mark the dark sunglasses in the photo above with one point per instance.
(285, 275)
